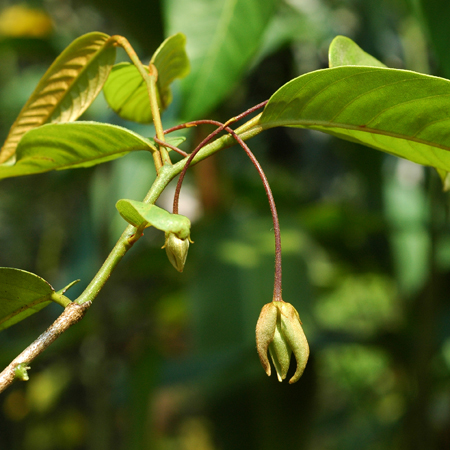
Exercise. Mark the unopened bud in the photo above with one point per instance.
(279, 331)
(177, 250)
(21, 371)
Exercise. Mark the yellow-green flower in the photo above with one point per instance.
(279, 331)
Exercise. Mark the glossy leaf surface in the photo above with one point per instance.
(403, 113)
(221, 42)
(139, 213)
(21, 295)
(126, 92)
(72, 145)
(67, 88)
(344, 52)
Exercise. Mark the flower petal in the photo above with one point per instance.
(281, 353)
(293, 332)
(265, 330)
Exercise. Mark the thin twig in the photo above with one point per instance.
(75, 311)
(221, 127)
(176, 149)
(70, 316)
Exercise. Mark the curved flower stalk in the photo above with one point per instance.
(279, 329)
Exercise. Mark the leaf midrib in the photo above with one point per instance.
(326, 124)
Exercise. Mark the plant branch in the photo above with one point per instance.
(153, 76)
(176, 149)
(150, 81)
(70, 316)
(76, 310)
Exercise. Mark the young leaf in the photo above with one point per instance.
(21, 295)
(403, 113)
(126, 92)
(67, 88)
(71, 145)
(172, 62)
(221, 42)
(344, 52)
(138, 214)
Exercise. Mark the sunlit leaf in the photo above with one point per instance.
(221, 41)
(126, 92)
(403, 113)
(67, 88)
(21, 295)
(71, 145)
(344, 52)
(172, 62)
(139, 213)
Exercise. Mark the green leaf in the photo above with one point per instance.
(222, 39)
(72, 145)
(126, 92)
(21, 295)
(403, 113)
(172, 62)
(142, 214)
(67, 88)
(344, 52)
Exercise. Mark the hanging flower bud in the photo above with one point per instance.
(177, 250)
(279, 331)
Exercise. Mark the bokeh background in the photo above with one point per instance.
(167, 361)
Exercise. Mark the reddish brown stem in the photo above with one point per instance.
(220, 128)
(232, 120)
(176, 149)
(276, 225)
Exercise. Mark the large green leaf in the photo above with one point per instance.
(143, 214)
(71, 145)
(126, 92)
(344, 52)
(21, 295)
(400, 112)
(67, 88)
(222, 38)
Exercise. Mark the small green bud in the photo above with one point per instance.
(279, 331)
(177, 250)
(21, 371)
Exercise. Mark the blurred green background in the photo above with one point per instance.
(167, 361)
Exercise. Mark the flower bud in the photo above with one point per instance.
(177, 250)
(279, 331)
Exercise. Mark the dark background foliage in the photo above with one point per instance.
(168, 361)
